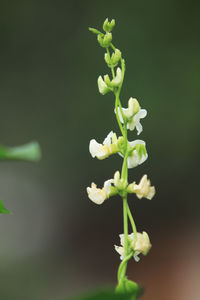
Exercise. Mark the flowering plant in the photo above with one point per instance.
(133, 153)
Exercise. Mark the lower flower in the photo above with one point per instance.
(140, 244)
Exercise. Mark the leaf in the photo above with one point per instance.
(107, 295)
(128, 286)
(3, 210)
(27, 152)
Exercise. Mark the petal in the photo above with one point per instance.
(151, 193)
(136, 256)
(108, 139)
(107, 185)
(139, 128)
(94, 147)
(142, 113)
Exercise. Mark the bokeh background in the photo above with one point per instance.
(58, 243)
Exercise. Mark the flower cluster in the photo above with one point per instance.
(133, 152)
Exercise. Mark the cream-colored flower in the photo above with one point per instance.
(144, 188)
(102, 151)
(103, 88)
(98, 195)
(140, 245)
(133, 114)
(118, 78)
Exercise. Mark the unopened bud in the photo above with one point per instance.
(108, 26)
(119, 183)
(104, 40)
(107, 80)
(116, 56)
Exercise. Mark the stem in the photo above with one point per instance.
(117, 116)
(122, 269)
(132, 223)
(112, 69)
(125, 261)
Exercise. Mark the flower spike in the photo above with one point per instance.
(133, 152)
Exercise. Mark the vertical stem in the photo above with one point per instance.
(132, 223)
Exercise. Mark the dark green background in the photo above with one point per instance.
(57, 242)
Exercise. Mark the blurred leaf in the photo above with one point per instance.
(129, 287)
(3, 210)
(109, 295)
(27, 152)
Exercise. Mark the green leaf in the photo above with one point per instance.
(27, 152)
(3, 210)
(110, 295)
(128, 286)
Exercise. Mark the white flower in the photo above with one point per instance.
(102, 151)
(144, 188)
(97, 195)
(136, 121)
(133, 114)
(140, 245)
(134, 159)
(103, 88)
(118, 78)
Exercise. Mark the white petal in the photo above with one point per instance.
(108, 139)
(142, 113)
(94, 147)
(139, 128)
(136, 257)
(119, 113)
(96, 195)
(118, 78)
(107, 185)
(102, 85)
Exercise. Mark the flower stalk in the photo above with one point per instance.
(134, 153)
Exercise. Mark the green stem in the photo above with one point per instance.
(132, 223)
(121, 266)
(117, 116)
(112, 69)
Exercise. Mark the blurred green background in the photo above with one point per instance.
(58, 243)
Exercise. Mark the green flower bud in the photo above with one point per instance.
(120, 144)
(136, 106)
(93, 30)
(107, 80)
(104, 40)
(108, 26)
(115, 58)
(107, 59)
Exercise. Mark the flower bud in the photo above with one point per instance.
(93, 30)
(108, 26)
(104, 40)
(103, 88)
(119, 183)
(133, 108)
(107, 59)
(118, 78)
(107, 80)
(116, 56)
